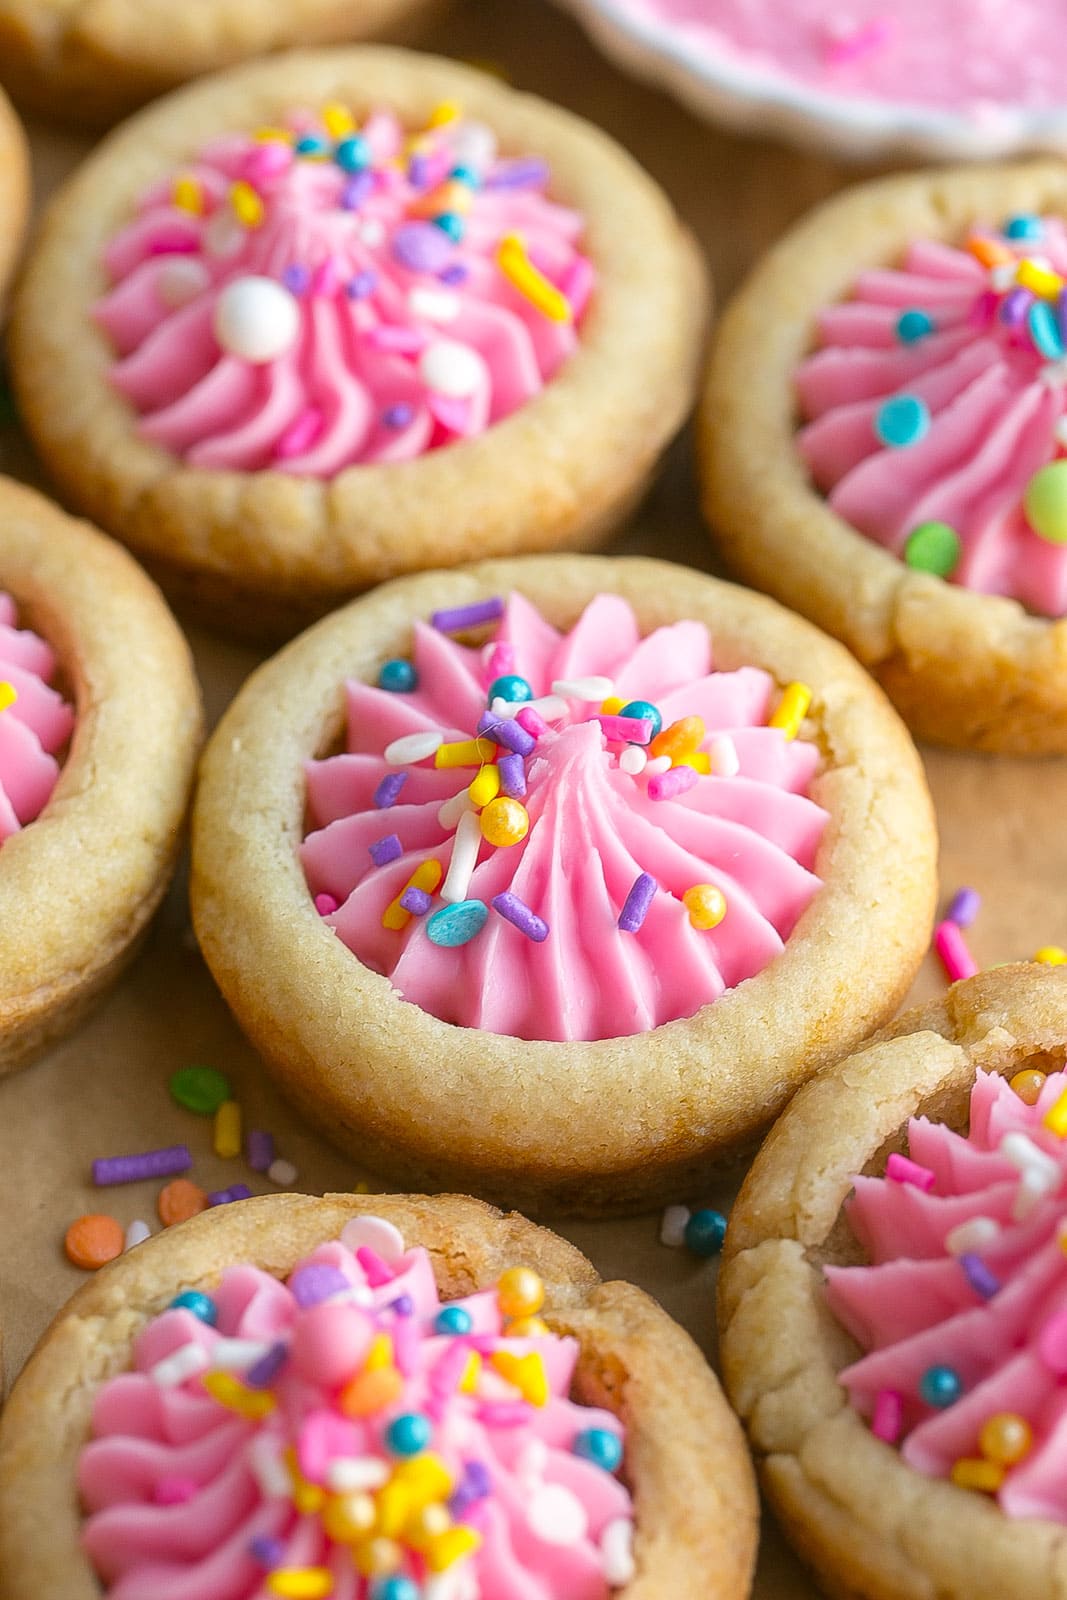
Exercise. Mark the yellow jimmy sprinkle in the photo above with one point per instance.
(445, 111)
(515, 264)
(526, 1373)
(187, 195)
(1055, 1118)
(427, 876)
(8, 695)
(247, 205)
(464, 753)
(231, 1393)
(337, 120)
(301, 1583)
(486, 786)
(1039, 279)
(791, 710)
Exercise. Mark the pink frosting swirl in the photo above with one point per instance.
(986, 362)
(279, 1439)
(313, 299)
(969, 1272)
(598, 821)
(35, 722)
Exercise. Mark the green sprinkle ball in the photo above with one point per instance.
(933, 547)
(1045, 502)
(200, 1089)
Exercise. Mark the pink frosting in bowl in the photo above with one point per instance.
(937, 396)
(35, 722)
(629, 887)
(343, 1435)
(320, 295)
(963, 1308)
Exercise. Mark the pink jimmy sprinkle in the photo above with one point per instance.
(175, 1491)
(300, 435)
(378, 1271)
(448, 1372)
(951, 946)
(500, 662)
(532, 721)
(405, 1337)
(268, 160)
(862, 42)
(326, 280)
(628, 730)
(888, 1416)
(665, 785)
(326, 905)
(400, 341)
(903, 1170)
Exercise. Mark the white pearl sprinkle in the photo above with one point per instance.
(451, 369)
(137, 1233)
(412, 747)
(181, 279)
(353, 1474)
(376, 1234)
(282, 1172)
(1002, 277)
(465, 847)
(557, 1516)
(722, 753)
(617, 1551)
(633, 760)
(592, 688)
(257, 319)
(182, 1364)
(672, 1226)
(972, 1235)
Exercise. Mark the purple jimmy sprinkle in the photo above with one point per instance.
(458, 617)
(964, 907)
(403, 1305)
(475, 1484)
(506, 731)
(356, 190)
(398, 416)
(362, 286)
(384, 850)
(528, 173)
(640, 897)
(454, 274)
(418, 171)
(263, 1373)
(150, 1164)
(259, 1149)
(421, 247)
(267, 1550)
(296, 278)
(512, 771)
(1015, 305)
(388, 791)
(311, 1284)
(978, 1275)
(518, 913)
(416, 900)
(240, 1191)
(219, 1197)
(1061, 313)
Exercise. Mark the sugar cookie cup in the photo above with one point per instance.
(685, 1462)
(90, 64)
(869, 1524)
(79, 885)
(14, 189)
(964, 668)
(608, 1124)
(267, 550)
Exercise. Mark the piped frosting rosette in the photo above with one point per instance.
(35, 722)
(935, 405)
(565, 836)
(344, 1435)
(316, 295)
(963, 1309)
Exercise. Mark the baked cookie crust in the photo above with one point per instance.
(870, 1525)
(584, 1127)
(14, 190)
(687, 1466)
(963, 669)
(265, 551)
(93, 61)
(79, 885)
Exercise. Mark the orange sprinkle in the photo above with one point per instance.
(93, 1241)
(686, 734)
(371, 1392)
(990, 252)
(179, 1200)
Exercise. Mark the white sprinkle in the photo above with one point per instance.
(506, 708)
(282, 1172)
(617, 1550)
(1002, 277)
(353, 1474)
(474, 144)
(657, 765)
(413, 747)
(137, 1233)
(436, 305)
(465, 846)
(972, 1235)
(1033, 1187)
(557, 1516)
(268, 1468)
(357, 1295)
(1028, 1158)
(593, 688)
(449, 814)
(633, 760)
(181, 279)
(174, 1369)
(550, 706)
(378, 1235)
(1060, 430)
(672, 1226)
(531, 1464)
(722, 753)
(224, 236)
(234, 1355)
(1054, 375)
(451, 369)
(372, 231)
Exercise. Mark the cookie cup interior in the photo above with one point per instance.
(964, 669)
(14, 189)
(267, 551)
(78, 885)
(686, 1462)
(92, 61)
(869, 1524)
(613, 1124)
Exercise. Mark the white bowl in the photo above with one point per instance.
(679, 59)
